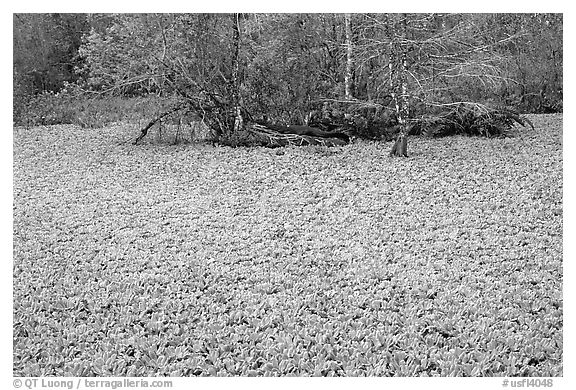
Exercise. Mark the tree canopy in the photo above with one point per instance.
(283, 67)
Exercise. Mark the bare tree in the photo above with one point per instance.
(398, 87)
(235, 81)
(430, 57)
(348, 76)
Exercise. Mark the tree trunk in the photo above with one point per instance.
(398, 87)
(144, 131)
(400, 147)
(236, 104)
(348, 76)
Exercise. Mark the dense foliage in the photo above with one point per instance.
(288, 63)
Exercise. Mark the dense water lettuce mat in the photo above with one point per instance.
(199, 260)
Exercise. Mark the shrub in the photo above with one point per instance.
(46, 108)
(73, 106)
(473, 120)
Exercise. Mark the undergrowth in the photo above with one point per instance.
(83, 109)
(72, 106)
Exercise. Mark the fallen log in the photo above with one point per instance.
(273, 135)
(309, 131)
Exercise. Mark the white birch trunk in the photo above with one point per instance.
(348, 76)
